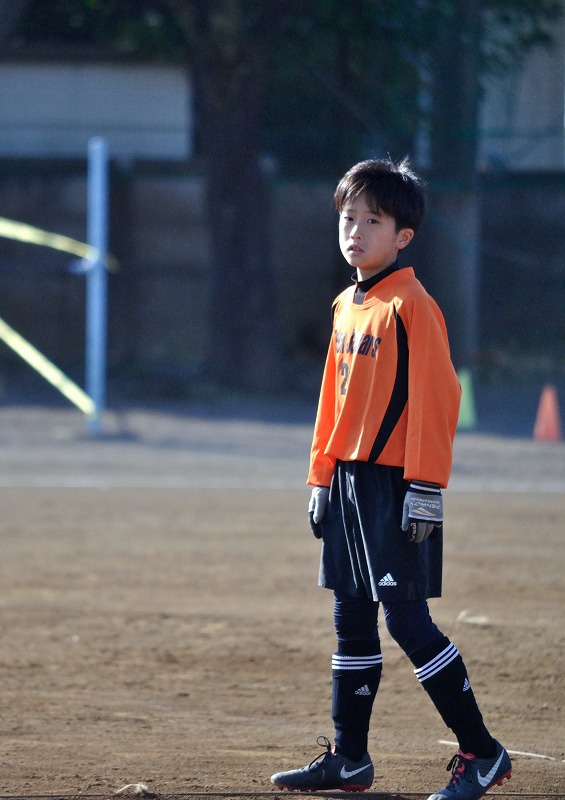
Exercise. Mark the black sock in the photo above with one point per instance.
(441, 671)
(356, 675)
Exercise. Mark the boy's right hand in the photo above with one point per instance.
(317, 508)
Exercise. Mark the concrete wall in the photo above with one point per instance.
(159, 297)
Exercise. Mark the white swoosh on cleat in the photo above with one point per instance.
(490, 774)
(345, 774)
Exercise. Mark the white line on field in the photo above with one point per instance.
(511, 752)
(149, 482)
(229, 481)
(498, 486)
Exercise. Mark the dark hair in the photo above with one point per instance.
(390, 188)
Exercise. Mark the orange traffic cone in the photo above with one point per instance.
(548, 425)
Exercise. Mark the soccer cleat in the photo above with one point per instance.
(472, 777)
(329, 770)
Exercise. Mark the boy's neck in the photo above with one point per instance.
(366, 275)
(363, 286)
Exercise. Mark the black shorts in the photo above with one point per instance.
(365, 552)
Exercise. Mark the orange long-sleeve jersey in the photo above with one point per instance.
(390, 394)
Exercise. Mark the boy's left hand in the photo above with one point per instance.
(422, 512)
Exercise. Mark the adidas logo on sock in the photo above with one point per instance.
(466, 685)
(364, 691)
(387, 580)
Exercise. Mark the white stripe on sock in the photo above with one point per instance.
(437, 664)
(356, 662)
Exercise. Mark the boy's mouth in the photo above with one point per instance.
(354, 248)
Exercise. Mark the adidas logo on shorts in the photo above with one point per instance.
(364, 691)
(387, 580)
(466, 685)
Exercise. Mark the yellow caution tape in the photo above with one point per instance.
(47, 369)
(20, 232)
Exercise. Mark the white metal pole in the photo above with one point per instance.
(96, 278)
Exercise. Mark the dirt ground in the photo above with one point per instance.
(161, 622)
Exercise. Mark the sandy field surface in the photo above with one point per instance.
(161, 623)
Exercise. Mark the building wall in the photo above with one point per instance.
(523, 114)
(52, 109)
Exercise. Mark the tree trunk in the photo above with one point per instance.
(229, 57)
(243, 349)
(453, 218)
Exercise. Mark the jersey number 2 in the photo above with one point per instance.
(345, 375)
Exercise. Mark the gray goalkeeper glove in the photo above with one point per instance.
(422, 512)
(317, 509)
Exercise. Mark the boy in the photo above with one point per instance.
(381, 454)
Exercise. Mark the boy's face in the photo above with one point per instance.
(369, 241)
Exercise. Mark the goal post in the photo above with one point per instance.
(97, 279)
(94, 261)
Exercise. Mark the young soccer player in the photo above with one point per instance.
(381, 453)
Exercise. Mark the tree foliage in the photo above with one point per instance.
(514, 27)
(316, 84)
(121, 27)
(339, 79)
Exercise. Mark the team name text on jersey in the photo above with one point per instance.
(359, 342)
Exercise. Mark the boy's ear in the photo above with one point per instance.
(405, 236)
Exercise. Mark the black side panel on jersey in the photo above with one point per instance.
(399, 394)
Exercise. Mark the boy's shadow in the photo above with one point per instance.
(366, 795)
